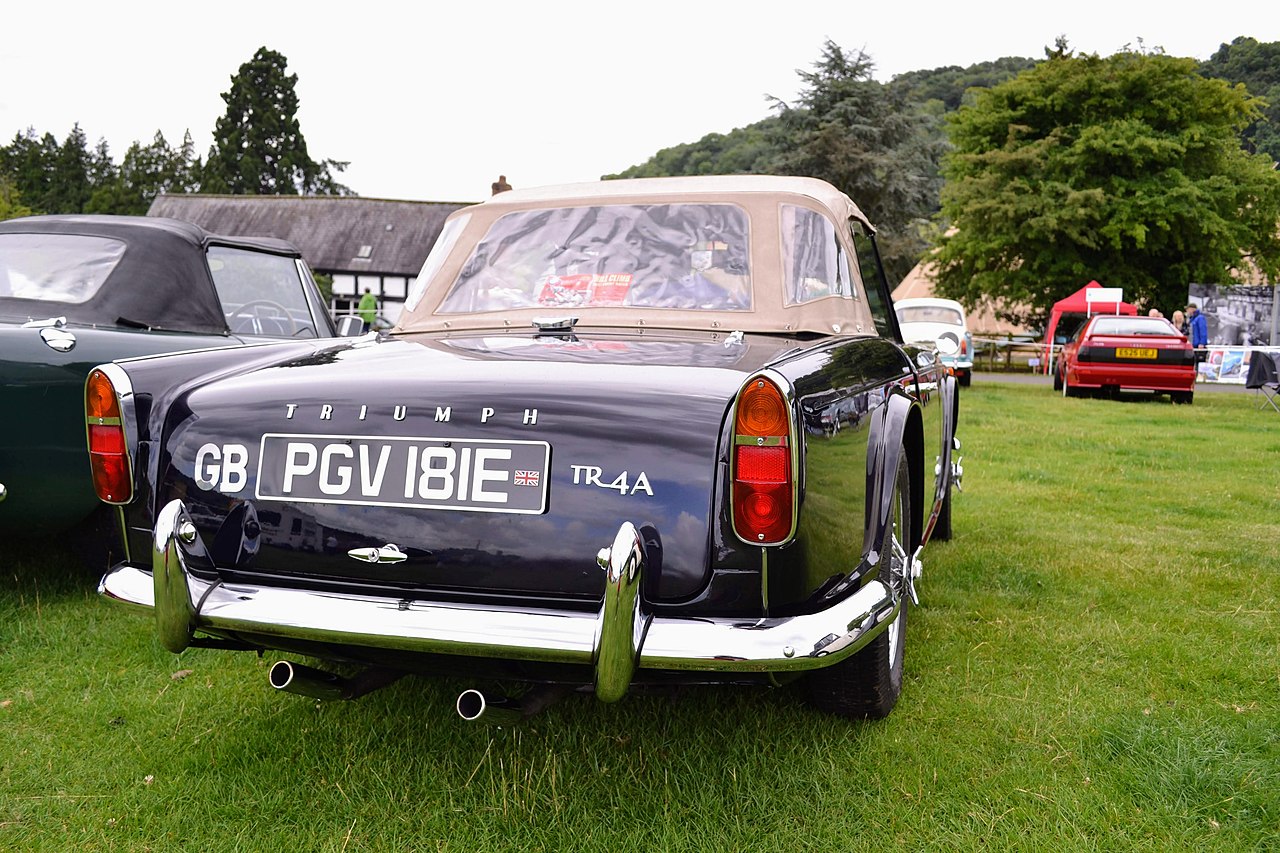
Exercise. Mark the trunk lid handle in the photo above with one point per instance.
(388, 553)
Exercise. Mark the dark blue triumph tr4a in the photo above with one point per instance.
(626, 433)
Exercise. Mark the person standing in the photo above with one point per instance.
(1199, 327)
(1179, 321)
(368, 309)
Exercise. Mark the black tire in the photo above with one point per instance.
(963, 377)
(942, 527)
(1057, 380)
(867, 685)
(1183, 397)
(1067, 389)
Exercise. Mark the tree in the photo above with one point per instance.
(29, 162)
(753, 149)
(872, 141)
(1126, 169)
(11, 206)
(948, 84)
(69, 187)
(145, 172)
(1256, 65)
(258, 147)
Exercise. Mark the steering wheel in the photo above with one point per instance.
(252, 311)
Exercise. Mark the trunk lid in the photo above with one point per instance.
(494, 465)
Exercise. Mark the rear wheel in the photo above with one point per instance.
(1183, 397)
(1068, 390)
(963, 377)
(1057, 380)
(867, 685)
(942, 527)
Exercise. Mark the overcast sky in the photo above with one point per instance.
(431, 101)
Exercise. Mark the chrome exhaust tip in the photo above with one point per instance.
(316, 683)
(473, 705)
(305, 681)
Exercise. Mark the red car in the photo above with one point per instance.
(1113, 352)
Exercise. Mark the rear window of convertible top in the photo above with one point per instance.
(684, 256)
(66, 268)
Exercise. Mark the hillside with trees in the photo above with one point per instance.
(1255, 65)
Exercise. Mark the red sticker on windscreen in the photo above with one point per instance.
(584, 289)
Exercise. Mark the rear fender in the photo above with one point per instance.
(895, 430)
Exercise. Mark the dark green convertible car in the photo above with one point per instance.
(77, 291)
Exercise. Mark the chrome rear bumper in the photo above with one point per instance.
(616, 640)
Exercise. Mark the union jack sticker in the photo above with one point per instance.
(526, 478)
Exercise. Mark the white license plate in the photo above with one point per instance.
(419, 472)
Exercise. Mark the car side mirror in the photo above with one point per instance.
(350, 326)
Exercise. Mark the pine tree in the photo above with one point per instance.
(258, 146)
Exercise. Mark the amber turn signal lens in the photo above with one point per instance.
(761, 410)
(100, 397)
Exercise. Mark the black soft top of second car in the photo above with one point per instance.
(161, 281)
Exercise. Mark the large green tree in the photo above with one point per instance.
(1126, 169)
(874, 143)
(258, 146)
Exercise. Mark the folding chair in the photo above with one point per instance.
(1264, 377)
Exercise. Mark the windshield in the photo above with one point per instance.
(67, 268)
(930, 314)
(1133, 326)
(261, 293)
(684, 256)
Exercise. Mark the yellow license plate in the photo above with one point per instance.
(1129, 352)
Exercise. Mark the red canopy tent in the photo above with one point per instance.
(1079, 303)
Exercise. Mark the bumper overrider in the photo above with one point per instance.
(616, 640)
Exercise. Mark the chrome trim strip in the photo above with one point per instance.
(775, 644)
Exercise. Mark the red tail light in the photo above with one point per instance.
(763, 492)
(108, 450)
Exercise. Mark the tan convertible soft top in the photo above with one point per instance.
(761, 197)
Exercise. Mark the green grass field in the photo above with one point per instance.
(1096, 666)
